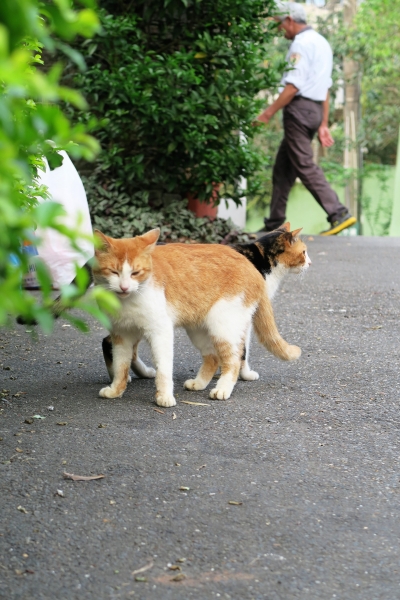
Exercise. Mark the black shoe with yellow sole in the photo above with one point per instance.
(342, 222)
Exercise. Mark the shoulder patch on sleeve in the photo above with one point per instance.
(294, 58)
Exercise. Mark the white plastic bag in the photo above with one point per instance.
(65, 187)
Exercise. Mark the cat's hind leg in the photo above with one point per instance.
(201, 340)
(245, 372)
(228, 322)
(138, 366)
(205, 374)
(108, 356)
(121, 359)
(229, 359)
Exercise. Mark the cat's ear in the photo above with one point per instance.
(296, 232)
(286, 226)
(102, 242)
(290, 236)
(151, 238)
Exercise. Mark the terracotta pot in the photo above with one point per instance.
(204, 209)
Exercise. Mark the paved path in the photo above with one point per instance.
(311, 451)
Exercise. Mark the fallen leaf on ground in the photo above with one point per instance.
(38, 417)
(81, 477)
(112, 502)
(184, 488)
(18, 450)
(101, 425)
(194, 403)
(59, 493)
(173, 416)
(143, 569)
(29, 421)
(159, 411)
(62, 423)
(140, 578)
(174, 567)
(201, 467)
(180, 560)
(22, 509)
(234, 502)
(179, 577)
(18, 394)
(18, 572)
(50, 408)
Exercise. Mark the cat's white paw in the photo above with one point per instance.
(165, 400)
(142, 371)
(193, 384)
(129, 378)
(217, 394)
(108, 392)
(248, 375)
(149, 373)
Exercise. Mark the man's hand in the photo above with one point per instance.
(286, 96)
(266, 116)
(325, 137)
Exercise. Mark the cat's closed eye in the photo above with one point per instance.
(134, 273)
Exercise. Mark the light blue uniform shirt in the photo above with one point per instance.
(311, 61)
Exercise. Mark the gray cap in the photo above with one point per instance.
(291, 9)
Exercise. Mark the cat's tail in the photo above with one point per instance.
(268, 334)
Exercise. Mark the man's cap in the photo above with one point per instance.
(290, 9)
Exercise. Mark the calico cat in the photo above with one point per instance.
(211, 290)
(274, 255)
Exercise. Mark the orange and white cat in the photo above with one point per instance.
(211, 290)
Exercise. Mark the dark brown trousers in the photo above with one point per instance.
(301, 120)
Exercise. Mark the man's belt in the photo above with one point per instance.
(309, 99)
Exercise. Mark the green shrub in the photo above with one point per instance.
(172, 84)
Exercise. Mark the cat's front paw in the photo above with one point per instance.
(221, 394)
(193, 384)
(165, 400)
(129, 378)
(248, 375)
(108, 392)
(293, 352)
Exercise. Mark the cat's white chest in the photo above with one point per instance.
(145, 309)
(274, 279)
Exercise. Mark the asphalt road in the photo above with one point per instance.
(310, 451)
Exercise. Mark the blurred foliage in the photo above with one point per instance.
(374, 42)
(173, 86)
(32, 127)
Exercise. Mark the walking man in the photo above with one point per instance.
(305, 103)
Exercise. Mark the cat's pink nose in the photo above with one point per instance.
(123, 288)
